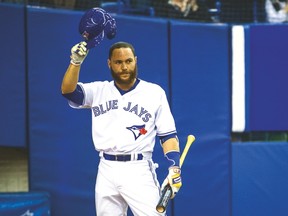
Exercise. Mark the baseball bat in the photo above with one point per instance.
(167, 191)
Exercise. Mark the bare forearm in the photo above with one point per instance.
(70, 79)
(170, 145)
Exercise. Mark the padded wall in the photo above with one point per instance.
(62, 156)
(24, 203)
(267, 85)
(260, 178)
(201, 105)
(12, 76)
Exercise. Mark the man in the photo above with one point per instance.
(276, 11)
(127, 114)
(183, 9)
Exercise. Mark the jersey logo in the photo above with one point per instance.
(137, 130)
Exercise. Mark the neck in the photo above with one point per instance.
(125, 87)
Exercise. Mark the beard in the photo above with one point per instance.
(132, 76)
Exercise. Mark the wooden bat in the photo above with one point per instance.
(167, 191)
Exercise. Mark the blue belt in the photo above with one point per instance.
(126, 157)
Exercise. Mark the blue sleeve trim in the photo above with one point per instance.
(164, 138)
(77, 96)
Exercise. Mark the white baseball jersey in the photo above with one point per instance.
(127, 123)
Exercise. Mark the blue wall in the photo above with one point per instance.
(260, 178)
(201, 88)
(190, 61)
(13, 110)
(267, 90)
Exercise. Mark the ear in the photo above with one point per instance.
(136, 59)
(109, 63)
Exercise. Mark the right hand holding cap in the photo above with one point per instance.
(79, 53)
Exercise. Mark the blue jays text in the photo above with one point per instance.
(113, 104)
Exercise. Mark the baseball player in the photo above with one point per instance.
(127, 114)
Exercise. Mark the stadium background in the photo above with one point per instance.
(47, 160)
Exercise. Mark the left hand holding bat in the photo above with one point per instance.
(173, 183)
(173, 179)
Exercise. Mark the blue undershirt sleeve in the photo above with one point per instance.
(77, 96)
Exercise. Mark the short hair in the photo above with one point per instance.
(121, 44)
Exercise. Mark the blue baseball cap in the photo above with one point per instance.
(95, 24)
